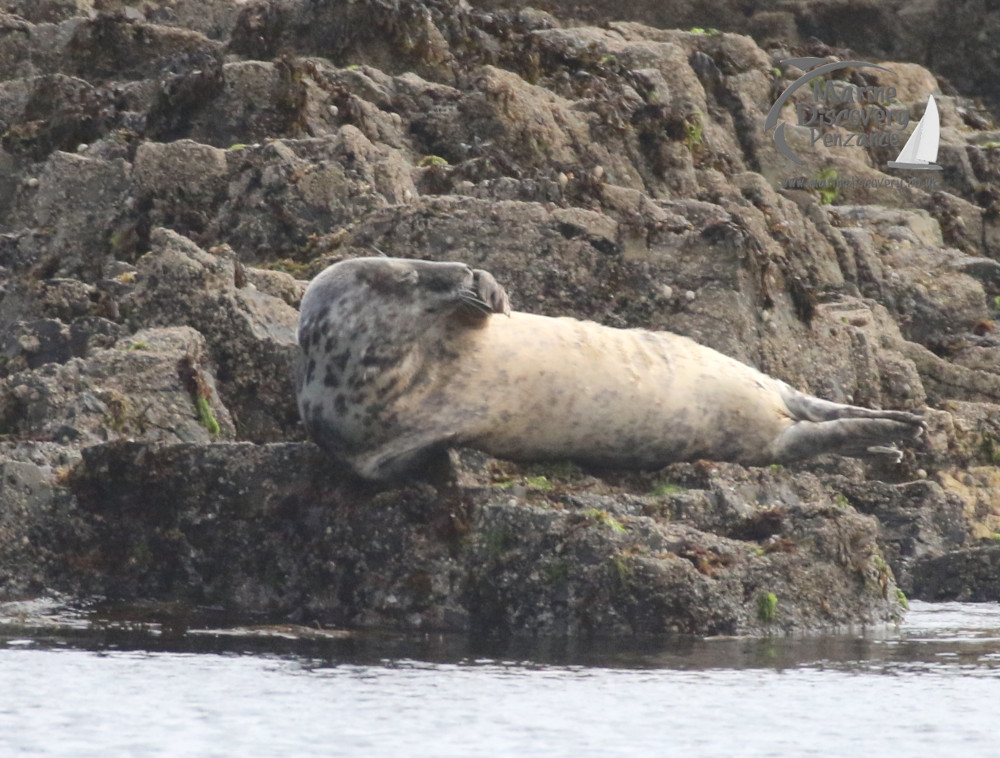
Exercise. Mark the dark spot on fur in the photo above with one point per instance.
(331, 344)
(383, 392)
(310, 370)
(373, 414)
(374, 359)
(314, 337)
(340, 404)
(340, 360)
(331, 379)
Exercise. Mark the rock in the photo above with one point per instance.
(250, 335)
(31, 344)
(978, 490)
(121, 45)
(970, 575)
(929, 286)
(146, 387)
(270, 529)
(181, 171)
(986, 270)
(963, 224)
(904, 31)
(285, 194)
(249, 101)
(916, 520)
(277, 284)
(35, 343)
(78, 198)
(946, 380)
(37, 520)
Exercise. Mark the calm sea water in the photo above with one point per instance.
(73, 687)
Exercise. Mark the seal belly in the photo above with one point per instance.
(608, 395)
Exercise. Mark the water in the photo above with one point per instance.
(70, 688)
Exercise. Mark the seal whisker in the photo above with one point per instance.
(471, 299)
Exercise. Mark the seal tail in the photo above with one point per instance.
(820, 426)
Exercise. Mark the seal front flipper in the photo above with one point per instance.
(418, 456)
(490, 291)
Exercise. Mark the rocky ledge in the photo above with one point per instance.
(172, 173)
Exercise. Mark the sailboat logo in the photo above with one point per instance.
(921, 149)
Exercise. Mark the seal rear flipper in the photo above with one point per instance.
(803, 407)
(856, 437)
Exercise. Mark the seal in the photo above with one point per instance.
(402, 359)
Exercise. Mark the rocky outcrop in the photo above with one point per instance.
(970, 575)
(947, 36)
(268, 529)
(172, 173)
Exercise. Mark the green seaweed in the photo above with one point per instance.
(694, 131)
(432, 160)
(205, 416)
(767, 606)
(539, 483)
(603, 517)
(664, 489)
(827, 185)
(901, 599)
(621, 570)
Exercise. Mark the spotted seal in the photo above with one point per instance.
(403, 358)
